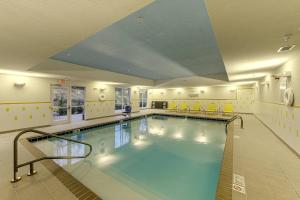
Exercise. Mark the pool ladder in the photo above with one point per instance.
(234, 118)
(16, 166)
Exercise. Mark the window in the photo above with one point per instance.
(143, 98)
(122, 98)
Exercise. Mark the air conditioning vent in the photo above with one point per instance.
(286, 48)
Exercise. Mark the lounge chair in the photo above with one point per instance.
(196, 107)
(183, 107)
(228, 108)
(172, 106)
(211, 108)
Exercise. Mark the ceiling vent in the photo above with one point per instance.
(285, 74)
(286, 46)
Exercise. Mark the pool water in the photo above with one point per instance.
(157, 157)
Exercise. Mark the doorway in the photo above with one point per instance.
(67, 104)
(77, 103)
(60, 105)
(122, 98)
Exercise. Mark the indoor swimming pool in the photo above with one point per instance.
(154, 157)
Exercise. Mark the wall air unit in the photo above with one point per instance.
(286, 74)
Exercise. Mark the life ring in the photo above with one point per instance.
(288, 97)
(101, 97)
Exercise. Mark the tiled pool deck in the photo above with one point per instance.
(46, 186)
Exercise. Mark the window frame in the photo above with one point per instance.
(143, 98)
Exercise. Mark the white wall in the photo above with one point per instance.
(30, 106)
(283, 120)
(242, 98)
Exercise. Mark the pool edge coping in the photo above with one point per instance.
(224, 187)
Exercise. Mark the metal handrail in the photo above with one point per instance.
(16, 166)
(234, 118)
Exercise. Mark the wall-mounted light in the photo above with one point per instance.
(179, 90)
(232, 89)
(202, 89)
(19, 84)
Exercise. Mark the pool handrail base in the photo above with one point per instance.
(16, 166)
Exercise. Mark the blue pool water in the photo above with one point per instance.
(157, 157)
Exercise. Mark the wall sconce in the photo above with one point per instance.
(202, 89)
(19, 84)
(232, 89)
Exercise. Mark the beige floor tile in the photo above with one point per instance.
(266, 163)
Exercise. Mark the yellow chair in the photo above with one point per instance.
(172, 106)
(183, 107)
(196, 107)
(228, 108)
(211, 108)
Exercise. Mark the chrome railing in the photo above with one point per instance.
(16, 166)
(234, 118)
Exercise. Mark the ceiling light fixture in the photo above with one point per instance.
(286, 46)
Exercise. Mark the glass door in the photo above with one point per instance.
(143, 98)
(60, 105)
(118, 99)
(77, 103)
(122, 98)
(126, 97)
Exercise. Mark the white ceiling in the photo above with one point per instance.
(32, 31)
(78, 72)
(249, 33)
